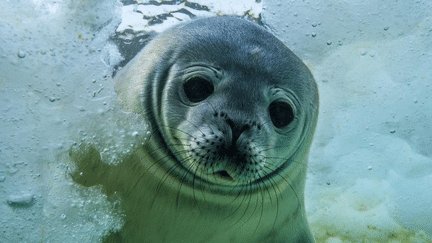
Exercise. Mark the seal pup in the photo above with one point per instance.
(232, 112)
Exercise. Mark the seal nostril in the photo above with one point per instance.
(236, 129)
(230, 122)
(244, 128)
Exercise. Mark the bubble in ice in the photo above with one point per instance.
(21, 54)
(21, 200)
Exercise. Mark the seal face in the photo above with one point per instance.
(232, 113)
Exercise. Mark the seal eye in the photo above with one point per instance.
(281, 113)
(198, 89)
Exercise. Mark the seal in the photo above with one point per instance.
(232, 112)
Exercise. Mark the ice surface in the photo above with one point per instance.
(370, 166)
(51, 78)
(370, 170)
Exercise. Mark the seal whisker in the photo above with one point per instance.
(256, 205)
(166, 174)
(289, 183)
(179, 130)
(277, 191)
(161, 183)
(198, 129)
(293, 161)
(239, 194)
(194, 189)
(262, 209)
(249, 196)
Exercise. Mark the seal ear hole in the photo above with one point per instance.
(281, 113)
(198, 89)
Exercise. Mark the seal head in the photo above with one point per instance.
(232, 113)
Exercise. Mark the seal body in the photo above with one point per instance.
(232, 112)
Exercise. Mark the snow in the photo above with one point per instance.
(370, 169)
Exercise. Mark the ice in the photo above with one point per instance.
(370, 166)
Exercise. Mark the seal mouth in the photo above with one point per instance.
(223, 175)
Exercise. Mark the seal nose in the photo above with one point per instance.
(237, 128)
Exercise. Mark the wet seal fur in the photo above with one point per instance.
(232, 112)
